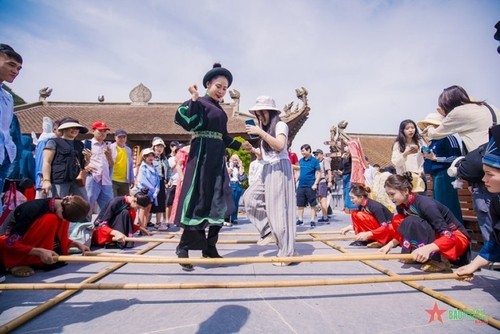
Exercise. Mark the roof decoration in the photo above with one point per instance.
(140, 95)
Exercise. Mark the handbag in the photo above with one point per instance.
(81, 178)
(11, 199)
(418, 184)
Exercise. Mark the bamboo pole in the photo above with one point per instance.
(27, 316)
(434, 294)
(234, 260)
(231, 242)
(224, 285)
(250, 233)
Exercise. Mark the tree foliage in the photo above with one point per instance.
(246, 157)
(17, 99)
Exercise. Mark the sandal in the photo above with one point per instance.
(22, 271)
(375, 244)
(436, 267)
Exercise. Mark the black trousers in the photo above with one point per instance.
(199, 240)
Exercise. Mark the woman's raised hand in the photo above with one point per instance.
(193, 90)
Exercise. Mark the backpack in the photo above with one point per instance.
(470, 168)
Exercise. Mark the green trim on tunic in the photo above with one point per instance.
(182, 111)
(208, 134)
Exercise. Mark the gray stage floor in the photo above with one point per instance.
(364, 308)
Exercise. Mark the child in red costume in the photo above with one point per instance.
(371, 221)
(38, 230)
(115, 222)
(425, 228)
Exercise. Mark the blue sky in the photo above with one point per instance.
(372, 63)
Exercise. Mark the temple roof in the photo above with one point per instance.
(142, 119)
(150, 119)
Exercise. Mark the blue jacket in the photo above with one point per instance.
(148, 178)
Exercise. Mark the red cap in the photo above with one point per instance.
(100, 126)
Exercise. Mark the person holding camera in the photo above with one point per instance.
(470, 120)
(269, 201)
(438, 157)
(407, 155)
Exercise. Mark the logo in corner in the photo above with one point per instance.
(435, 313)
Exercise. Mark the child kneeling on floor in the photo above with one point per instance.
(371, 221)
(425, 228)
(115, 222)
(37, 230)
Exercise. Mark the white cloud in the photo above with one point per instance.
(373, 63)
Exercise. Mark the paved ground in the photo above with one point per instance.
(366, 308)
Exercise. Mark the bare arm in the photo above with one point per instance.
(48, 157)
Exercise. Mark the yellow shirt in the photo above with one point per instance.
(120, 166)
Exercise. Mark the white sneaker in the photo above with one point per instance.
(284, 264)
(269, 238)
(228, 224)
(163, 227)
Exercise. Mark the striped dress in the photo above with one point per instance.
(270, 200)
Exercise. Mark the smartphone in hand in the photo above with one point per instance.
(251, 122)
(88, 144)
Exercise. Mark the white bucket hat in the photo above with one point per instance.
(158, 141)
(431, 119)
(147, 151)
(264, 103)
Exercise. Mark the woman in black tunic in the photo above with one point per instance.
(205, 197)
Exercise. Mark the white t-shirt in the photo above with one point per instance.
(255, 171)
(174, 177)
(273, 156)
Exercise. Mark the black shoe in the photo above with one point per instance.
(211, 252)
(324, 220)
(183, 254)
(358, 243)
(187, 267)
(299, 222)
(313, 224)
(211, 256)
(234, 222)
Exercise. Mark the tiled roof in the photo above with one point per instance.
(151, 119)
(378, 148)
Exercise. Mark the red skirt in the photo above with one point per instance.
(41, 234)
(363, 222)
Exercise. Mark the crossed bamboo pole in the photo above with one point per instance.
(242, 241)
(27, 316)
(428, 291)
(233, 260)
(225, 285)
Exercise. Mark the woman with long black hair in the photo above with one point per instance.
(270, 200)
